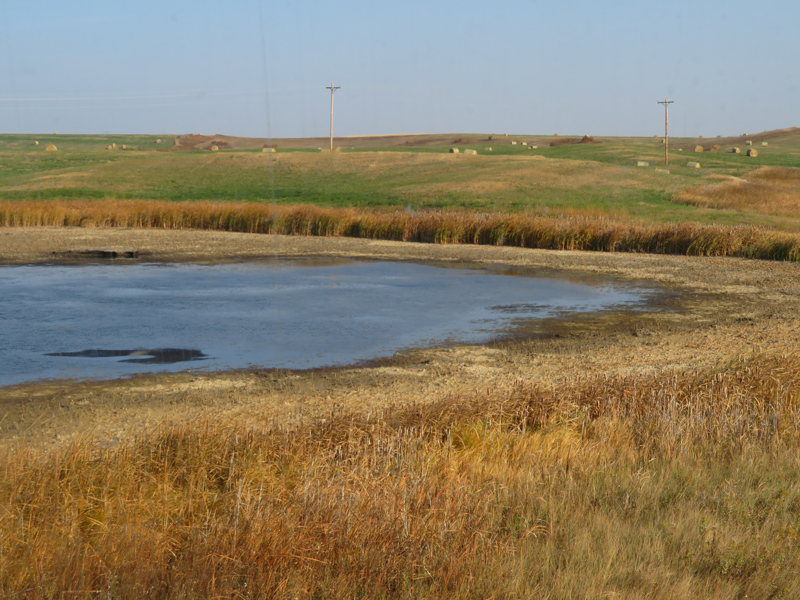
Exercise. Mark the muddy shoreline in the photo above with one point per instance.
(722, 309)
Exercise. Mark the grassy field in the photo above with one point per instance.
(595, 179)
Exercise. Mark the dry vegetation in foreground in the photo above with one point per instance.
(677, 485)
(566, 232)
(769, 190)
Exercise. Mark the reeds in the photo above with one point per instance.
(567, 232)
(677, 485)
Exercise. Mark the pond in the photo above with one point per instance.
(108, 320)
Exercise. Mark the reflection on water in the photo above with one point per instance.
(112, 320)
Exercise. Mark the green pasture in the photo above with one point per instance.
(599, 179)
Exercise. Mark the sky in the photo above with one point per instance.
(260, 67)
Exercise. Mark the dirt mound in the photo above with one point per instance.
(191, 142)
(587, 139)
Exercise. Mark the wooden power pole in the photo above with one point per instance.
(333, 90)
(666, 104)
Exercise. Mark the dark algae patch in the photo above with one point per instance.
(159, 356)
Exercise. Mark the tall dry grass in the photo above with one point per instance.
(568, 232)
(679, 485)
(768, 190)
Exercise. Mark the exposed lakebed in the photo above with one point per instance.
(107, 320)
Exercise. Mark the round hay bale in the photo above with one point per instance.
(513, 143)
(158, 141)
(524, 143)
(55, 133)
(214, 148)
(505, 134)
(268, 149)
(489, 149)
(698, 148)
(765, 143)
(470, 152)
(716, 147)
(752, 152)
(124, 147)
(736, 150)
(114, 145)
(555, 135)
(700, 137)
(51, 148)
(748, 143)
(36, 143)
(109, 148)
(454, 150)
(693, 165)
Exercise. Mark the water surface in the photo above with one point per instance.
(109, 320)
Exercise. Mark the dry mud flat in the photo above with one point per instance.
(713, 311)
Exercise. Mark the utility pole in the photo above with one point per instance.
(333, 90)
(666, 104)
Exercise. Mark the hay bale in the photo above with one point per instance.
(657, 170)
(513, 143)
(700, 137)
(268, 149)
(716, 147)
(736, 150)
(454, 150)
(698, 148)
(55, 133)
(124, 147)
(748, 143)
(158, 141)
(693, 165)
(555, 135)
(534, 147)
(765, 143)
(214, 148)
(753, 153)
(109, 148)
(113, 145)
(51, 148)
(470, 152)
(489, 149)
(505, 134)
(524, 143)
(642, 163)
(36, 143)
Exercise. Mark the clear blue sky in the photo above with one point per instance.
(260, 67)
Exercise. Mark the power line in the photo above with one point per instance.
(333, 90)
(666, 103)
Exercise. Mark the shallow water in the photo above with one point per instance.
(104, 321)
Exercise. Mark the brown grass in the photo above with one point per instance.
(769, 190)
(567, 232)
(679, 485)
